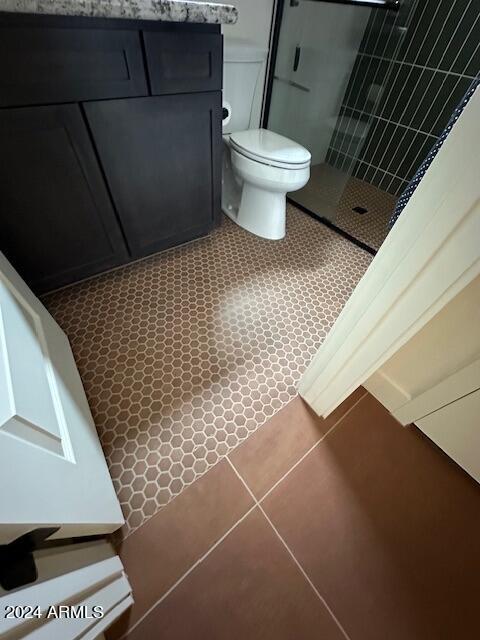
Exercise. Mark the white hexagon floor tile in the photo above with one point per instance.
(186, 353)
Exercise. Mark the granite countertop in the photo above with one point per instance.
(163, 10)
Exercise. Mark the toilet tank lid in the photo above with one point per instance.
(271, 146)
(242, 50)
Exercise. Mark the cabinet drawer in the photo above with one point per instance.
(48, 65)
(183, 65)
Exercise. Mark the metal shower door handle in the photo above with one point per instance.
(296, 59)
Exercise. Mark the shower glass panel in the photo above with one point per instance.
(329, 87)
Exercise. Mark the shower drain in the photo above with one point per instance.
(360, 210)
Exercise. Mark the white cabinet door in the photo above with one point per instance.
(52, 469)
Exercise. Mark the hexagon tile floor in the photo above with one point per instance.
(185, 354)
(334, 194)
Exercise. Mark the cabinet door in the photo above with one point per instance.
(58, 224)
(161, 157)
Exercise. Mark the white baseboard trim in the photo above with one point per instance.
(386, 391)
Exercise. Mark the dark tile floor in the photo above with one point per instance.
(350, 527)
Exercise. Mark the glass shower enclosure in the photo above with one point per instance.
(329, 87)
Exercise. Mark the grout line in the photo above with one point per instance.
(373, 81)
(393, 76)
(368, 164)
(131, 532)
(188, 572)
(418, 84)
(198, 477)
(410, 13)
(398, 124)
(413, 164)
(290, 552)
(234, 526)
(418, 66)
(354, 72)
(364, 80)
(312, 448)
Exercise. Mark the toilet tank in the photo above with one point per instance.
(243, 62)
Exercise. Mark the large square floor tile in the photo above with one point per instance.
(157, 554)
(248, 588)
(388, 529)
(277, 445)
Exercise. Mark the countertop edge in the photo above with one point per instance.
(185, 11)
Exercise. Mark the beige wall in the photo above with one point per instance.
(449, 342)
(456, 429)
(254, 21)
(436, 374)
(254, 24)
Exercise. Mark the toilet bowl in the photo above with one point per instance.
(259, 168)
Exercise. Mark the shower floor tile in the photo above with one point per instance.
(333, 194)
(185, 354)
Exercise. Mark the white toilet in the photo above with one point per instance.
(259, 166)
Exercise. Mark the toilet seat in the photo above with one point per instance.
(269, 148)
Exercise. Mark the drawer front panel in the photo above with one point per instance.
(48, 65)
(183, 65)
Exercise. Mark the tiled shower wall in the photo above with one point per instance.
(412, 69)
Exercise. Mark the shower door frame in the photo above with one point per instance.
(272, 58)
(275, 30)
(277, 14)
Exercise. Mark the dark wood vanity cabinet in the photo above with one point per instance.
(57, 221)
(110, 138)
(50, 64)
(160, 151)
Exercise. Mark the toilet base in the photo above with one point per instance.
(262, 212)
(254, 194)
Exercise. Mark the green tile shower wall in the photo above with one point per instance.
(424, 58)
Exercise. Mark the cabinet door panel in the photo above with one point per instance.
(58, 224)
(51, 65)
(161, 156)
